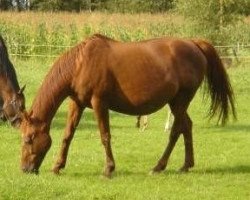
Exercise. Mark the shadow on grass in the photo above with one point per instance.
(245, 128)
(241, 169)
(99, 174)
(238, 169)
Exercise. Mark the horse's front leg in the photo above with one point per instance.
(102, 116)
(74, 115)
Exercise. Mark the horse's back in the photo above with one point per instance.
(156, 62)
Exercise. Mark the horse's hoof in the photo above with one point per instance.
(153, 172)
(157, 170)
(107, 175)
(184, 169)
(56, 171)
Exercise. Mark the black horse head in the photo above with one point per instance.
(12, 101)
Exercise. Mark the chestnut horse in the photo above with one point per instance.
(136, 78)
(12, 100)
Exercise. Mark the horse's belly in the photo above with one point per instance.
(142, 100)
(130, 109)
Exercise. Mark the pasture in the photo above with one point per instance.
(222, 165)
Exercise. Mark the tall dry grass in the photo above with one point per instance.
(56, 31)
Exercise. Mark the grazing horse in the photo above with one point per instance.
(12, 101)
(135, 78)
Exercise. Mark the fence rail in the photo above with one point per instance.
(238, 52)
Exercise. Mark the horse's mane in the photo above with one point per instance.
(100, 36)
(6, 67)
(59, 75)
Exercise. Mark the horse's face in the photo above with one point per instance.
(35, 144)
(12, 109)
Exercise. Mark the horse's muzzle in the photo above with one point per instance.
(30, 171)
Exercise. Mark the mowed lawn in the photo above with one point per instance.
(222, 154)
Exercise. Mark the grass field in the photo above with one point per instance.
(222, 169)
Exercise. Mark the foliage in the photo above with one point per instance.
(211, 18)
(5, 4)
(137, 6)
(90, 5)
(52, 5)
(58, 31)
(121, 6)
(55, 32)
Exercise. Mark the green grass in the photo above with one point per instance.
(222, 154)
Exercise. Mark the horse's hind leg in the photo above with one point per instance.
(188, 141)
(74, 115)
(173, 137)
(102, 115)
(182, 124)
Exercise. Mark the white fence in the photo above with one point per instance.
(229, 53)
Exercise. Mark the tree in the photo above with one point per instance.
(210, 13)
(209, 18)
(5, 4)
(52, 5)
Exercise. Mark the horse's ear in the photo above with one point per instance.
(22, 89)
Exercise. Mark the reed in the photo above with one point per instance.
(55, 32)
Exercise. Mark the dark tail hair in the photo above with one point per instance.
(219, 87)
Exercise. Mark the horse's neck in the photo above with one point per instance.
(54, 90)
(8, 81)
(6, 90)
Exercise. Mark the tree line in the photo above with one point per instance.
(122, 6)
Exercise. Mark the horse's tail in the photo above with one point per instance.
(219, 87)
